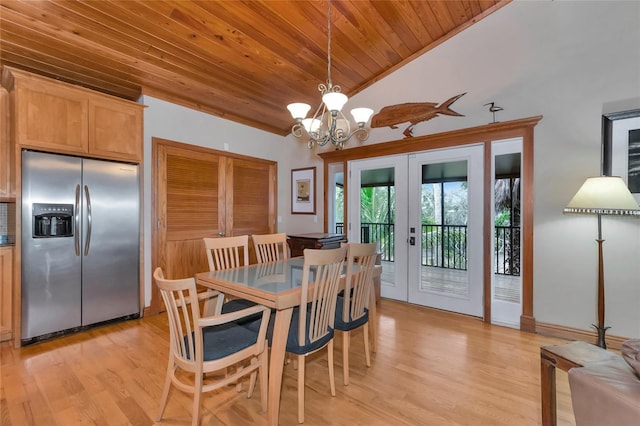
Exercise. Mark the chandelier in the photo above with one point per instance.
(329, 123)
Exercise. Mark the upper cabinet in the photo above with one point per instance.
(6, 155)
(115, 128)
(64, 118)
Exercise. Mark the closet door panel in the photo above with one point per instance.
(252, 198)
(190, 206)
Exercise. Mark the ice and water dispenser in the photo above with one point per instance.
(52, 220)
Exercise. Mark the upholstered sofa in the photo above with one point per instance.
(608, 392)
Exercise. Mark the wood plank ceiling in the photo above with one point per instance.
(241, 60)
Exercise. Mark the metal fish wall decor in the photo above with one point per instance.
(414, 113)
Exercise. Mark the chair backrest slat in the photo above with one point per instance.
(361, 260)
(326, 268)
(270, 247)
(225, 252)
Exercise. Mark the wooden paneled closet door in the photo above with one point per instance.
(254, 193)
(190, 206)
(200, 192)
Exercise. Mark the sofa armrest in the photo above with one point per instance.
(605, 393)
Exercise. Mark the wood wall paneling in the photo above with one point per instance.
(219, 56)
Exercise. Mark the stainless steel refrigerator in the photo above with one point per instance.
(80, 243)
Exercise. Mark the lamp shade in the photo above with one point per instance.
(361, 115)
(298, 110)
(607, 195)
(334, 100)
(311, 124)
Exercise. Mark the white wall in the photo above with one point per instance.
(569, 61)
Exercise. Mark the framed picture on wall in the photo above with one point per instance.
(621, 148)
(303, 191)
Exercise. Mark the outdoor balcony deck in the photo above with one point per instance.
(454, 282)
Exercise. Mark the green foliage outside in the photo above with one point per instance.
(442, 203)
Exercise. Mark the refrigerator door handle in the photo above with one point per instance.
(77, 220)
(88, 241)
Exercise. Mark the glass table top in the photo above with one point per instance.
(272, 277)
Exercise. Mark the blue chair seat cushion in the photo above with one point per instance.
(222, 340)
(352, 324)
(252, 321)
(234, 305)
(300, 348)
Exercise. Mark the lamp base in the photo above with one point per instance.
(601, 331)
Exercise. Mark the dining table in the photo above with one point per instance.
(276, 285)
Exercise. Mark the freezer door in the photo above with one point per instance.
(110, 244)
(51, 270)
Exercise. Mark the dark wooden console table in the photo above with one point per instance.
(299, 242)
(564, 356)
(320, 240)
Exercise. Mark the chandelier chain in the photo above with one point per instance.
(329, 44)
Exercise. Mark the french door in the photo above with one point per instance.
(445, 229)
(372, 219)
(430, 235)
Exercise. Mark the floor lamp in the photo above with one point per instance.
(603, 195)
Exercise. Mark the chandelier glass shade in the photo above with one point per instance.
(328, 123)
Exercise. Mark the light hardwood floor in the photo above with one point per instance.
(431, 368)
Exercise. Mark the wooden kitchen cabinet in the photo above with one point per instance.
(115, 129)
(6, 154)
(49, 115)
(6, 282)
(63, 118)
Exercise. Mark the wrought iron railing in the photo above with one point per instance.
(445, 246)
(507, 250)
(382, 232)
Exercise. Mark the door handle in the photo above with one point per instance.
(77, 220)
(88, 241)
(221, 234)
(412, 241)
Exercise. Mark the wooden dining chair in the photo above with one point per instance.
(270, 247)
(312, 322)
(199, 345)
(225, 253)
(352, 307)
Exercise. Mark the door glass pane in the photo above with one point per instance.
(336, 199)
(507, 228)
(444, 228)
(377, 214)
